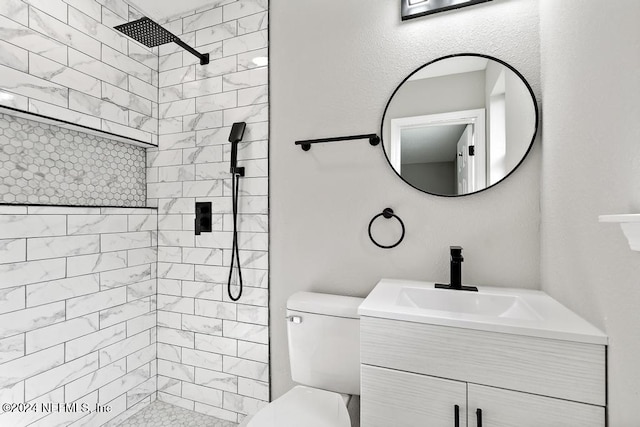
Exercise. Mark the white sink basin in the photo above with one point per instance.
(506, 310)
(477, 303)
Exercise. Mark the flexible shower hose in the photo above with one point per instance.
(235, 251)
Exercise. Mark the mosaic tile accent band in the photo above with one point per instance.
(46, 164)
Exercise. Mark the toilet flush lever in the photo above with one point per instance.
(294, 319)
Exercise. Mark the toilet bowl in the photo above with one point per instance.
(324, 337)
(303, 406)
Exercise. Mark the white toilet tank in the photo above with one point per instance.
(324, 341)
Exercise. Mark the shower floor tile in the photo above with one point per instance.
(161, 414)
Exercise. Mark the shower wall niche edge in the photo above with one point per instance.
(27, 115)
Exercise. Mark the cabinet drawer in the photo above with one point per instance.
(395, 398)
(503, 408)
(561, 369)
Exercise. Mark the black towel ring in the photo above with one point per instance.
(387, 213)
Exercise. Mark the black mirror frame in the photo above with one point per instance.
(533, 137)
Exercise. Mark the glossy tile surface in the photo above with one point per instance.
(212, 351)
(63, 59)
(77, 312)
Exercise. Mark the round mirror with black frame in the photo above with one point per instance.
(459, 124)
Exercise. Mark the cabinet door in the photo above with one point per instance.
(397, 398)
(505, 408)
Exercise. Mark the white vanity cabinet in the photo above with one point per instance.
(414, 374)
(506, 408)
(397, 398)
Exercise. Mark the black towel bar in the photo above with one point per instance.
(306, 144)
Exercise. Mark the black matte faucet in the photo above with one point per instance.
(456, 267)
(456, 272)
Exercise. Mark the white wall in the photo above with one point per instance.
(334, 66)
(436, 177)
(519, 119)
(591, 165)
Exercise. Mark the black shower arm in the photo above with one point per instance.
(204, 57)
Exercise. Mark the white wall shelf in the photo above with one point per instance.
(630, 224)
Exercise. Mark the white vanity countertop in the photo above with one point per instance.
(505, 310)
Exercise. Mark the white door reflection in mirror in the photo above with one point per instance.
(465, 179)
(424, 150)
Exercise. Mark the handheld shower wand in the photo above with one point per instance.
(237, 132)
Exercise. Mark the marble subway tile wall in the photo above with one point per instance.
(46, 164)
(213, 354)
(63, 59)
(77, 313)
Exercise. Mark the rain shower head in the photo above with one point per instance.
(147, 32)
(151, 34)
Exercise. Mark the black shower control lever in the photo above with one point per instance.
(456, 272)
(203, 218)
